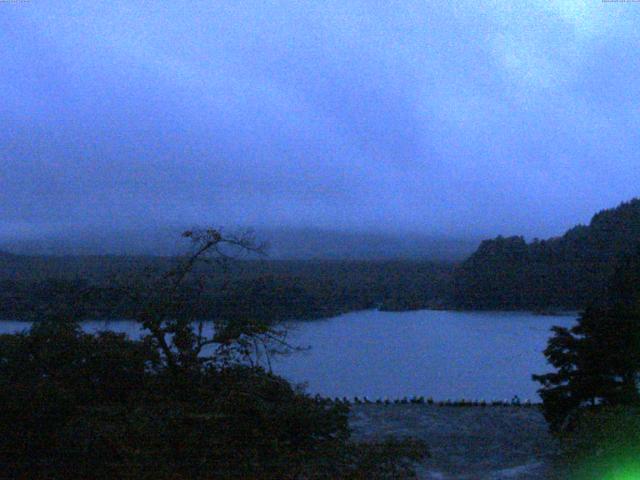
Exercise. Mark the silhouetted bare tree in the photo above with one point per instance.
(168, 306)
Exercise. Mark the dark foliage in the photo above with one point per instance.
(598, 360)
(74, 405)
(81, 406)
(564, 272)
(32, 287)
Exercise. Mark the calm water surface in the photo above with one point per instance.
(439, 354)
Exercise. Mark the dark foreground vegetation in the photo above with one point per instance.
(81, 406)
(176, 404)
(592, 400)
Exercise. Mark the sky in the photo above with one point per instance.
(464, 118)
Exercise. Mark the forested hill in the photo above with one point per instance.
(567, 272)
(563, 272)
(32, 287)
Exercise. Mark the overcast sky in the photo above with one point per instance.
(466, 118)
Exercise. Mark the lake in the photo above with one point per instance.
(439, 354)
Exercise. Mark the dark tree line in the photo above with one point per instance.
(563, 272)
(566, 272)
(281, 290)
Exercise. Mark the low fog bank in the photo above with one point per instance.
(282, 243)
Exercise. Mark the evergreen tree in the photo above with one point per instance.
(597, 361)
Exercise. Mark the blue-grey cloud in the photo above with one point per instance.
(467, 118)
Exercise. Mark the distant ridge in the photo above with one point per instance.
(300, 244)
(567, 272)
(284, 243)
(6, 256)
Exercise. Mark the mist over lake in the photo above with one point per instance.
(439, 354)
